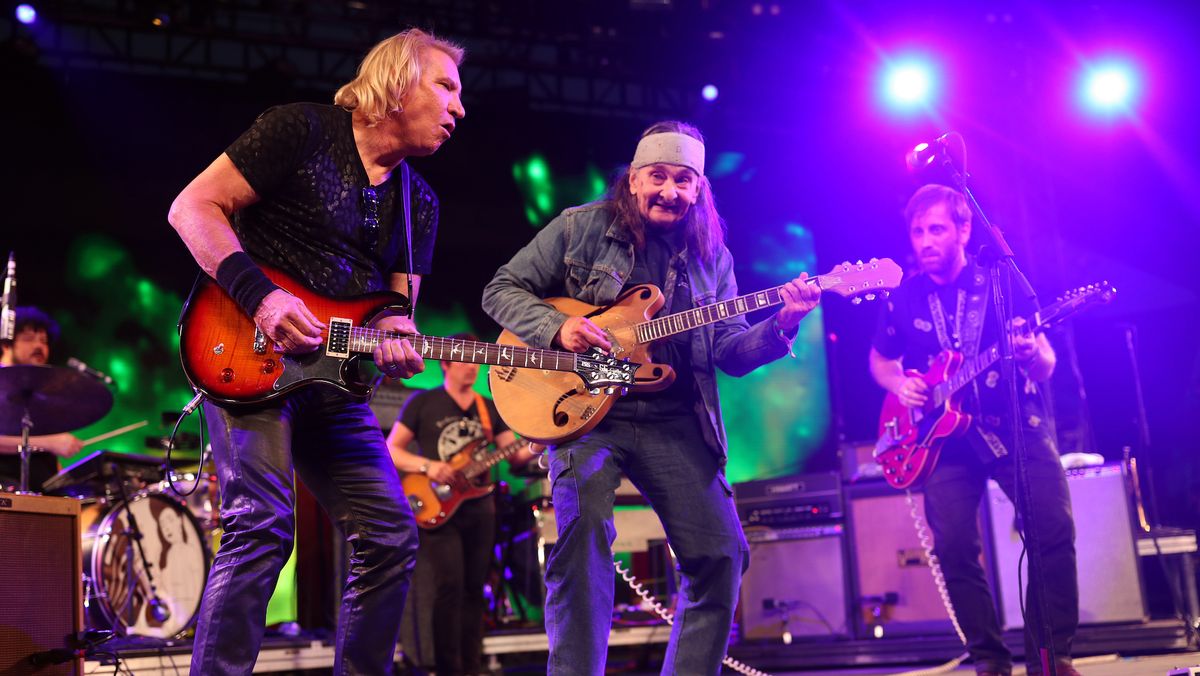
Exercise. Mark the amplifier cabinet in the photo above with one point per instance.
(895, 592)
(1110, 583)
(41, 598)
(796, 584)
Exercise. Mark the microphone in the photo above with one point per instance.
(8, 303)
(159, 610)
(947, 149)
(84, 368)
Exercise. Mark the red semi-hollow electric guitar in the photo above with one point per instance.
(911, 439)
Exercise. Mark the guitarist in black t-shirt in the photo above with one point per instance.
(444, 422)
(945, 307)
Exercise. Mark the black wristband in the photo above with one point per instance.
(244, 281)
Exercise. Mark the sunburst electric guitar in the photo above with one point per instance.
(911, 439)
(433, 502)
(228, 359)
(544, 406)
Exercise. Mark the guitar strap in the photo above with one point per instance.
(969, 314)
(485, 418)
(406, 191)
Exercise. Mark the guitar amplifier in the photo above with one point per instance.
(1110, 583)
(791, 501)
(41, 597)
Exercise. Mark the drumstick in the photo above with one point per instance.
(119, 430)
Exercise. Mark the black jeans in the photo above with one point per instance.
(335, 446)
(952, 505)
(457, 557)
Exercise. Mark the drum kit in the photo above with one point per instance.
(146, 546)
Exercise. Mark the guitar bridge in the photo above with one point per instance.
(338, 344)
(260, 342)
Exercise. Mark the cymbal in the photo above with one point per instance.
(58, 399)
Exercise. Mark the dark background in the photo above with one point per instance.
(108, 116)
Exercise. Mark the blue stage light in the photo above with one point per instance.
(909, 84)
(1110, 87)
(26, 14)
(709, 92)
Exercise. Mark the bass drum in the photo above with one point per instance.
(117, 587)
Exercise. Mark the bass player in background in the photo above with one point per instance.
(458, 553)
(945, 307)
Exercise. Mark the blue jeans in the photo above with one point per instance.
(336, 448)
(681, 478)
(952, 497)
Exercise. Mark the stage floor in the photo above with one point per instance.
(1150, 649)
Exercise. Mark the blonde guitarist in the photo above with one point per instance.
(447, 422)
(659, 226)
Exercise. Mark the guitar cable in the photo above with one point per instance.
(939, 579)
(669, 617)
(187, 410)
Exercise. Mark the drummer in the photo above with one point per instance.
(33, 334)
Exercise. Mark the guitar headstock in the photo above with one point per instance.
(862, 281)
(1073, 301)
(602, 371)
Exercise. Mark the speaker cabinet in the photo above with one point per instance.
(796, 583)
(41, 604)
(896, 593)
(1110, 583)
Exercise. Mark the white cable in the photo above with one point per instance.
(669, 617)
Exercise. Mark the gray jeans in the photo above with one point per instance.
(682, 480)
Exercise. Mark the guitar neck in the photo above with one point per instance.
(492, 458)
(363, 340)
(982, 361)
(687, 320)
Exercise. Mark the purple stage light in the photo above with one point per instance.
(709, 92)
(1109, 87)
(26, 14)
(909, 84)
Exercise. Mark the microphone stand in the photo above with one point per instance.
(1007, 278)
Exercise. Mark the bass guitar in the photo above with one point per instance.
(433, 502)
(228, 359)
(543, 406)
(911, 439)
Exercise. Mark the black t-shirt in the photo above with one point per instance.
(312, 219)
(441, 427)
(650, 266)
(906, 330)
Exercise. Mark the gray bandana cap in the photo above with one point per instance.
(670, 147)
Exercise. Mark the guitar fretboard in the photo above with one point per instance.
(491, 458)
(712, 313)
(965, 374)
(365, 340)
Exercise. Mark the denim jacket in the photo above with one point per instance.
(583, 254)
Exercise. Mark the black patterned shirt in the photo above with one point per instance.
(314, 219)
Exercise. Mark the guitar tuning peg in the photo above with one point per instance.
(859, 263)
(870, 296)
(594, 391)
(610, 390)
(856, 300)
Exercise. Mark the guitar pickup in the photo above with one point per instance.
(338, 344)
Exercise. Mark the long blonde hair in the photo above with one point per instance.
(703, 226)
(387, 73)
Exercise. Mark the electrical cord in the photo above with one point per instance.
(669, 617)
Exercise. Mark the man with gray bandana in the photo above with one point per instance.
(657, 225)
